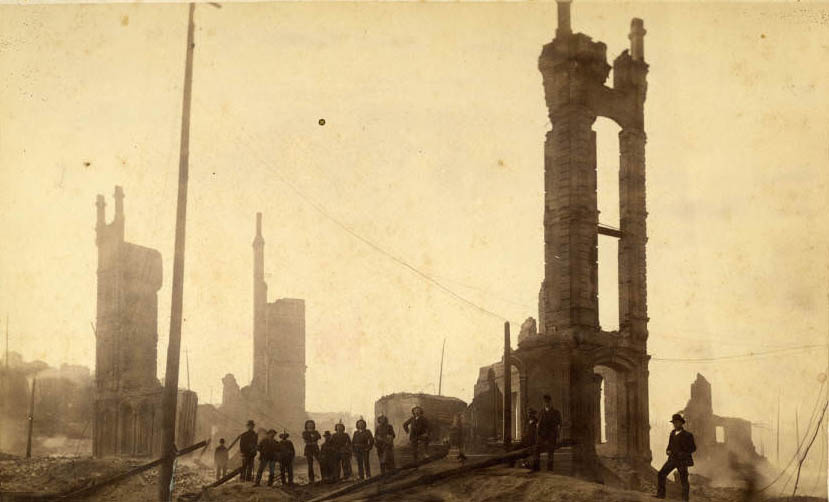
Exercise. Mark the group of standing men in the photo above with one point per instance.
(334, 456)
(270, 452)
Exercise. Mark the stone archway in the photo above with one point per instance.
(621, 383)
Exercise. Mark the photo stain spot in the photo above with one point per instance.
(322, 122)
(762, 35)
(125, 20)
(87, 164)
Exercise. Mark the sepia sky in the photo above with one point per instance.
(432, 150)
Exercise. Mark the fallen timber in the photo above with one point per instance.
(376, 479)
(197, 496)
(428, 479)
(92, 485)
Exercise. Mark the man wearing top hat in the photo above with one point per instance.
(248, 442)
(680, 448)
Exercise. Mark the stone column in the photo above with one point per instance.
(633, 309)
(570, 220)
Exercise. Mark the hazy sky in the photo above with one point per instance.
(433, 149)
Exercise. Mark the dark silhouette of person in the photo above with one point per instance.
(286, 458)
(418, 429)
(312, 450)
(384, 441)
(681, 446)
(248, 442)
(362, 442)
(268, 455)
(220, 458)
(549, 425)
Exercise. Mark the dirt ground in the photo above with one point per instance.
(494, 484)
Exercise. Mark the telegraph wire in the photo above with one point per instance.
(800, 348)
(800, 443)
(324, 212)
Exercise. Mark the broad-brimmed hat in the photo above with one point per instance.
(271, 432)
(251, 423)
(361, 420)
(326, 434)
(677, 417)
(284, 435)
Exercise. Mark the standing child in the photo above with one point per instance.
(286, 458)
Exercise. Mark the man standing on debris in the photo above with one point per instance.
(248, 441)
(529, 439)
(362, 442)
(220, 457)
(342, 445)
(549, 424)
(384, 440)
(286, 458)
(268, 455)
(418, 429)
(312, 450)
(681, 446)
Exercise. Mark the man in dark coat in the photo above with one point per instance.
(418, 429)
(328, 460)
(342, 445)
(220, 457)
(362, 442)
(312, 450)
(384, 440)
(286, 458)
(549, 424)
(681, 446)
(248, 441)
(268, 455)
(529, 438)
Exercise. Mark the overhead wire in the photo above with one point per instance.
(319, 208)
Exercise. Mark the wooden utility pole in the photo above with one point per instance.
(31, 419)
(169, 399)
(7, 341)
(440, 379)
(187, 360)
(507, 388)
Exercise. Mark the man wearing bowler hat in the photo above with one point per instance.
(680, 448)
(248, 443)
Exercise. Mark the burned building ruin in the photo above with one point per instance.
(127, 391)
(582, 366)
(717, 437)
(276, 394)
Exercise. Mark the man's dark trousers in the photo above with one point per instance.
(682, 469)
(547, 445)
(247, 467)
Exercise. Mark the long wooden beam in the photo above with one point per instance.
(361, 484)
(83, 492)
(440, 476)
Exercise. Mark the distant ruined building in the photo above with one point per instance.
(717, 437)
(127, 391)
(275, 397)
(571, 357)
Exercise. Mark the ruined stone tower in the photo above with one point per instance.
(278, 343)
(571, 357)
(127, 392)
